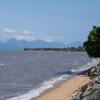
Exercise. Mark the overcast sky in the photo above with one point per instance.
(49, 20)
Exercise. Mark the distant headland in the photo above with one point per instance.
(55, 49)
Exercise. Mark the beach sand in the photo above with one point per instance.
(65, 90)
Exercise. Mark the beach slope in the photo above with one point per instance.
(66, 90)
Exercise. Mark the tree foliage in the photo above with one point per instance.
(92, 45)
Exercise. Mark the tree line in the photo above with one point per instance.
(80, 48)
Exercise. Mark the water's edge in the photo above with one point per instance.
(50, 83)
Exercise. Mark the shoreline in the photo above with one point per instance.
(55, 83)
(68, 88)
(65, 90)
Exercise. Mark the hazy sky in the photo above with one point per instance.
(50, 20)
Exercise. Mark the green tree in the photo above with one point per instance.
(92, 45)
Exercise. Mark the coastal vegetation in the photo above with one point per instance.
(92, 45)
(56, 49)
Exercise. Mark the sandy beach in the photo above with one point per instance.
(65, 90)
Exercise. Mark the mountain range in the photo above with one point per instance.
(14, 44)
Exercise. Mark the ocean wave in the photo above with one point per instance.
(1, 64)
(50, 83)
(44, 86)
(86, 66)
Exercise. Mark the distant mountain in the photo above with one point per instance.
(14, 44)
(75, 44)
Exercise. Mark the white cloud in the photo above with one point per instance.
(8, 33)
(27, 32)
(8, 30)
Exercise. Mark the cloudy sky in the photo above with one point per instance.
(50, 20)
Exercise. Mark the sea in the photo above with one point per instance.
(26, 74)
